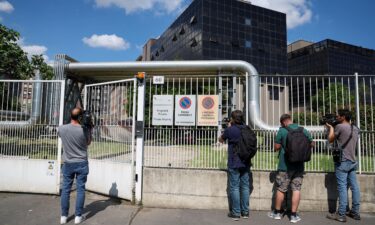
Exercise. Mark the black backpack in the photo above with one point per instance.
(246, 147)
(298, 146)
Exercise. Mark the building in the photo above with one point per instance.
(225, 30)
(329, 57)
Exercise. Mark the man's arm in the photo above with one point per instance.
(278, 141)
(277, 147)
(331, 133)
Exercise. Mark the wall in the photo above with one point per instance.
(206, 189)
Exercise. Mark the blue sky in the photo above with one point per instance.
(115, 30)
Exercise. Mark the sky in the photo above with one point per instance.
(116, 30)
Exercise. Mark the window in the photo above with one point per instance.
(235, 44)
(182, 31)
(247, 44)
(193, 20)
(213, 39)
(162, 49)
(193, 42)
(274, 92)
(174, 38)
(157, 53)
(247, 21)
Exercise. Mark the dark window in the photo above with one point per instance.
(213, 39)
(182, 31)
(162, 49)
(235, 44)
(193, 42)
(274, 92)
(174, 38)
(247, 21)
(247, 44)
(157, 53)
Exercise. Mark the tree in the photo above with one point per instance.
(14, 63)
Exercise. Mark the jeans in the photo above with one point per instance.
(79, 170)
(346, 175)
(239, 190)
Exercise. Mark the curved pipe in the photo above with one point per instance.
(191, 66)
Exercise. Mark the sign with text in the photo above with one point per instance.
(208, 110)
(185, 110)
(162, 110)
(158, 79)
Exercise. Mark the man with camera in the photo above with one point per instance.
(75, 140)
(346, 136)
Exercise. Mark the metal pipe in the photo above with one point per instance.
(189, 66)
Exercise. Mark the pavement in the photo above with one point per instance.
(35, 209)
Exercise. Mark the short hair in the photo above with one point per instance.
(76, 113)
(237, 116)
(345, 113)
(285, 117)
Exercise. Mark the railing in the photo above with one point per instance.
(306, 98)
(29, 119)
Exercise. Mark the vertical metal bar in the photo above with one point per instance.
(59, 143)
(358, 121)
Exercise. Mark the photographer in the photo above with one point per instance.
(346, 136)
(75, 140)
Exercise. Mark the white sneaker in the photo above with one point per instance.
(295, 219)
(273, 215)
(79, 219)
(63, 219)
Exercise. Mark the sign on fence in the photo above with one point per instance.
(185, 110)
(162, 110)
(208, 109)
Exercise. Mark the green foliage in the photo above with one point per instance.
(306, 118)
(14, 63)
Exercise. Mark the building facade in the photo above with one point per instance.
(330, 57)
(226, 30)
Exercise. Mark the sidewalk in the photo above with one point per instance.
(29, 209)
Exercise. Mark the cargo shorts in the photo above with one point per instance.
(292, 178)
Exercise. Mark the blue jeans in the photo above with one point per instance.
(80, 171)
(239, 190)
(346, 175)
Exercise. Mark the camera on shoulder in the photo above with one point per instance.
(86, 119)
(330, 119)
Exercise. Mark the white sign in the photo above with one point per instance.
(185, 110)
(158, 79)
(162, 110)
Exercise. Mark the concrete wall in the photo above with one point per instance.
(206, 189)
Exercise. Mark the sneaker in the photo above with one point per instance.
(336, 216)
(234, 217)
(79, 219)
(63, 219)
(353, 215)
(274, 215)
(245, 215)
(295, 219)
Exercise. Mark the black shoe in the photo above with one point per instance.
(353, 215)
(245, 215)
(336, 216)
(234, 217)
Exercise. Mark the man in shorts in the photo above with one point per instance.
(288, 174)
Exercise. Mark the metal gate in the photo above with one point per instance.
(30, 152)
(111, 153)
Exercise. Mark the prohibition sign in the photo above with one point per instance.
(208, 102)
(185, 102)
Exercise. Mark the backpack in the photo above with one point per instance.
(298, 146)
(246, 147)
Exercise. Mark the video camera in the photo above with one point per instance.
(86, 120)
(330, 119)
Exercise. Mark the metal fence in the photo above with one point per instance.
(112, 105)
(29, 118)
(306, 98)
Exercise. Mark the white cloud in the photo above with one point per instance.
(298, 12)
(112, 42)
(34, 50)
(5, 6)
(131, 6)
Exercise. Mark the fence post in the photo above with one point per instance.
(140, 139)
(358, 122)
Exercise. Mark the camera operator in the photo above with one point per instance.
(346, 136)
(75, 140)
